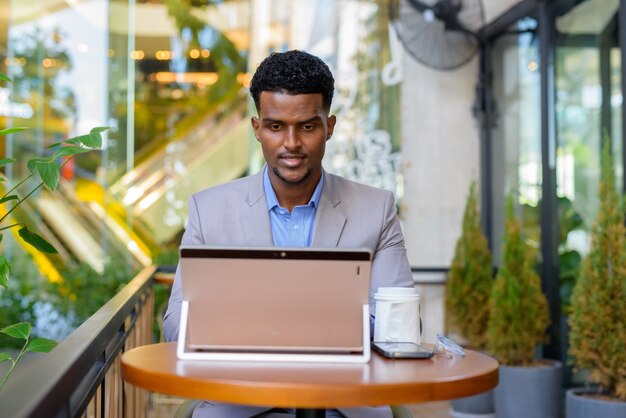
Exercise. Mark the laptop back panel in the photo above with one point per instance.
(292, 300)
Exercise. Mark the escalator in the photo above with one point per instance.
(214, 151)
(146, 207)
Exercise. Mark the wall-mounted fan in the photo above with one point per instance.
(439, 33)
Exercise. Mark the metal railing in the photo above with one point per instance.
(81, 377)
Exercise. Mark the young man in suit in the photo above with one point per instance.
(292, 201)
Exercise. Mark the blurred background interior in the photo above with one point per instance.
(420, 112)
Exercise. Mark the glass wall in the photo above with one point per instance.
(585, 97)
(170, 79)
(584, 86)
(516, 162)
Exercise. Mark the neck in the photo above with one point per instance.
(290, 195)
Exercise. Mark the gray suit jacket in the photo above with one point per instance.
(350, 215)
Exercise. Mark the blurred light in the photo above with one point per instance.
(15, 61)
(532, 65)
(177, 94)
(195, 78)
(148, 200)
(49, 62)
(244, 79)
(206, 53)
(132, 195)
(164, 55)
(137, 54)
(82, 47)
(194, 53)
(616, 100)
(132, 246)
(111, 53)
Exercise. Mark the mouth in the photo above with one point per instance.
(291, 160)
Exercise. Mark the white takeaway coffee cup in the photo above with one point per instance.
(397, 315)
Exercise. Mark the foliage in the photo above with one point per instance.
(18, 300)
(44, 58)
(569, 259)
(598, 316)
(21, 331)
(518, 310)
(470, 279)
(48, 171)
(91, 288)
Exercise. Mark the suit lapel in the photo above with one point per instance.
(258, 232)
(329, 221)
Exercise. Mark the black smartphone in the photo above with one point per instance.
(401, 350)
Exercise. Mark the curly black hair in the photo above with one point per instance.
(293, 72)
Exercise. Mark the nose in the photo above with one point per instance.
(292, 139)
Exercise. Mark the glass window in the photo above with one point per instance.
(516, 162)
(170, 79)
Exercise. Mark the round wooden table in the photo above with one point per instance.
(382, 381)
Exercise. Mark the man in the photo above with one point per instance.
(293, 202)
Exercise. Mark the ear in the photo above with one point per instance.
(255, 127)
(331, 126)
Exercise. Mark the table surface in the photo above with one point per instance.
(382, 381)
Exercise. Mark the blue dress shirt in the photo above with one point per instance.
(295, 228)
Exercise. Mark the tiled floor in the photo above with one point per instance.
(165, 407)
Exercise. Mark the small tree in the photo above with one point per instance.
(470, 279)
(598, 305)
(518, 310)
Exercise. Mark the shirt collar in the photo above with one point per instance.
(272, 200)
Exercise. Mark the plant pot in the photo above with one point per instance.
(577, 406)
(529, 391)
(475, 406)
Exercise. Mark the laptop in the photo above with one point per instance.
(304, 300)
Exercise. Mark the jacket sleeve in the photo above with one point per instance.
(191, 236)
(390, 267)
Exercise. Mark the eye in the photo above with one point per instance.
(275, 126)
(308, 127)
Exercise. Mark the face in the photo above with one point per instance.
(293, 130)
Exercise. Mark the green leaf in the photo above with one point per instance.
(69, 150)
(88, 140)
(20, 330)
(56, 144)
(32, 163)
(7, 198)
(4, 77)
(99, 129)
(48, 169)
(5, 268)
(5, 357)
(41, 345)
(5, 161)
(36, 241)
(9, 131)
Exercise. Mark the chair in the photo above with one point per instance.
(186, 409)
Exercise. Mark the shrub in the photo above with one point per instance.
(598, 305)
(518, 310)
(470, 279)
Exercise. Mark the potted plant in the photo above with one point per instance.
(598, 309)
(518, 318)
(468, 288)
(48, 169)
